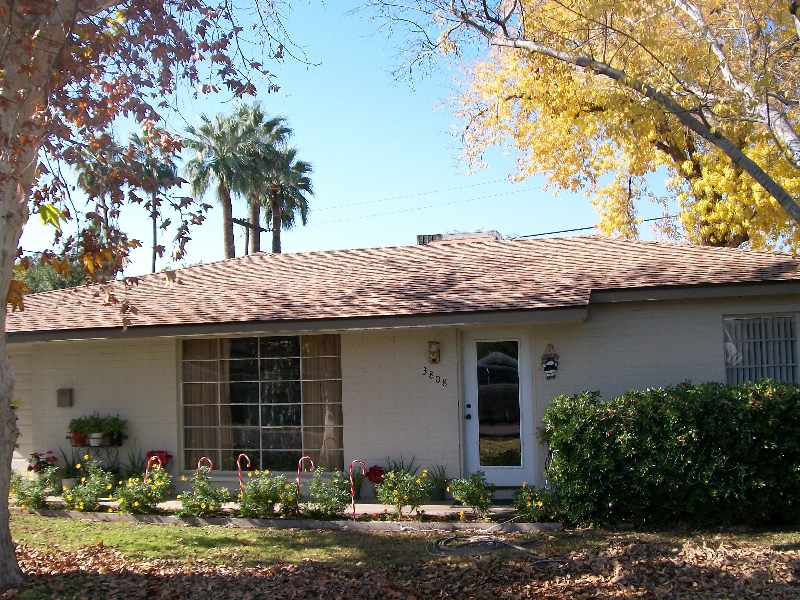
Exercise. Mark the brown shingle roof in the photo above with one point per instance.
(404, 281)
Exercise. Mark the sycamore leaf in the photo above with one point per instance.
(15, 292)
(49, 214)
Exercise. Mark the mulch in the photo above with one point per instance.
(627, 568)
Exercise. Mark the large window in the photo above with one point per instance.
(761, 348)
(273, 398)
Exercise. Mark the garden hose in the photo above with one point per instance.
(465, 544)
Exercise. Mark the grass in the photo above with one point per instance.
(224, 545)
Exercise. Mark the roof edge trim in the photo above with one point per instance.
(506, 317)
(772, 288)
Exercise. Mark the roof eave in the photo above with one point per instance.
(454, 319)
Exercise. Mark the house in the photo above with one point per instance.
(448, 351)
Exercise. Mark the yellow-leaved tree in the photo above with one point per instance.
(597, 95)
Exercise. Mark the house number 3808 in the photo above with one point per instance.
(432, 376)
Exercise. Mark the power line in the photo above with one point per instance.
(394, 212)
(530, 235)
(463, 187)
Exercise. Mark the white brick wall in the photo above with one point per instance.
(137, 379)
(391, 408)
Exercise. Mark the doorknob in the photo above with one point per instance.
(468, 416)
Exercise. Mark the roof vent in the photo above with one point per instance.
(458, 236)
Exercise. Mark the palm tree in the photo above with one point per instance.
(234, 151)
(98, 177)
(288, 187)
(154, 174)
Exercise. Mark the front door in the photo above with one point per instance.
(498, 406)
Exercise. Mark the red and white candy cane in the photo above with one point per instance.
(150, 461)
(239, 468)
(297, 482)
(200, 462)
(352, 485)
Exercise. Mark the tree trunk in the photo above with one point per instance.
(22, 135)
(227, 223)
(154, 215)
(275, 206)
(255, 231)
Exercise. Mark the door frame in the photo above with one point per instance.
(503, 476)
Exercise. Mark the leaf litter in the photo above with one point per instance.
(628, 567)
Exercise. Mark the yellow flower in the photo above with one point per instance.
(203, 506)
(183, 477)
(78, 466)
(257, 471)
(108, 487)
(539, 503)
(419, 480)
(119, 483)
(110, 509)
(250, 474)
(136, 503)
(448, 488)
(85, 457)
(265, 472)
(83, 479)
(178, 496)
(529, 504)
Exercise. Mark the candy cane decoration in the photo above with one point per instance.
(150, 461)
(239, 468)
(352, 485)
(200, 462)
(297, 483)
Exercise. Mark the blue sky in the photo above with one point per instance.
(386, 166)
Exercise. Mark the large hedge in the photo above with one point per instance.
(696, 454)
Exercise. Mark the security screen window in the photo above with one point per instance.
(275, 399)
(761, 348)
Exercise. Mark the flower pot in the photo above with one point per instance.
(69, 482)
(437, 494)
(96, 439)
(78, 438)
(116, 440)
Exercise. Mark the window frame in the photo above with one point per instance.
(792, 366)
(327, 377)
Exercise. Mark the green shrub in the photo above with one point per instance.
(701, 455)
(32, 492)
(204, 500)
(263, 492)
(94, 484)
(535, 505)
(331, 497)
(402, 488)
(473, 491)
(139, 495)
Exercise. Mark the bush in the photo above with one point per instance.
(401, 488)
(33, 492)
(700, 455)
(535, 505)
(94, 484)
(331, 498)
(139, 495)
(204, 500)
(262, 493)
(473, 491)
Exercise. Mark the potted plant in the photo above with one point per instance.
(438, 477)
(77, 429)
(69, 472)
(94, 428)
(114, 428)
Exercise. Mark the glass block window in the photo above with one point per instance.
(761, 348)
(273, 398)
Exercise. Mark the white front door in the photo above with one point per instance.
(498, 406)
